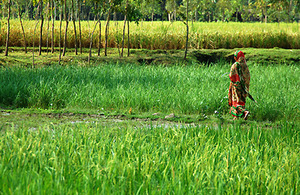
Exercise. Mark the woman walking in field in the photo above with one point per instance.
(239, 86)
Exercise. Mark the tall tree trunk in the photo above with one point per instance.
(41, 28)
(175, 14)
(75, 32)
(290, 9)
(106, 31)
(187, 29)
(115, 16)
(152, 11)
(128, 35)
(124, 26)
(128, 42)
(8, 29)
(34, 30)
(53, 19)
(79, 23)
(266, 16)
(66, 30)
(22, 27)
(152, 16)
(99, 42)
(116, 34)
(60, 24)
(91, 41)
(33, 63)
(223, 17)
(48, 24)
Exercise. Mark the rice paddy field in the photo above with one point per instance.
(122, 128)
(68, 130)
(192, 89)
(90, 158)
(164, 35)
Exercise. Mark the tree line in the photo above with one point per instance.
(161, 10)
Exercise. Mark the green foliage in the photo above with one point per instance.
(201, 10)
(91, 158)
(133, 13)
(190, 89)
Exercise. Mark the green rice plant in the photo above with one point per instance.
(90, 158)
(277, 98)
(193, 89)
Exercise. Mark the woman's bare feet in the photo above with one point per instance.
(246, 114)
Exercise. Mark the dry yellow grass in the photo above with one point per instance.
(165, 35)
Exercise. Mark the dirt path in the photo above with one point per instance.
(34, 120)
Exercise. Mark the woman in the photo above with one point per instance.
(239, 86)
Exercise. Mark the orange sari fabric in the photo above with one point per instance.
(240, 80)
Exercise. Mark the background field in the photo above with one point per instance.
(166, 35)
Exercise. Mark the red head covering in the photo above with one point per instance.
(239, 54)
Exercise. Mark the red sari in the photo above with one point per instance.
(239, 85)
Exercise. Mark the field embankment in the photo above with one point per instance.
(165, 35)
(17, 57)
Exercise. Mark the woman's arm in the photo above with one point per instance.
(233, 75)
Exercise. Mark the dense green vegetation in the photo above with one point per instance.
(91, 158)
(191, 89)
(106, 127)
(159, 10)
